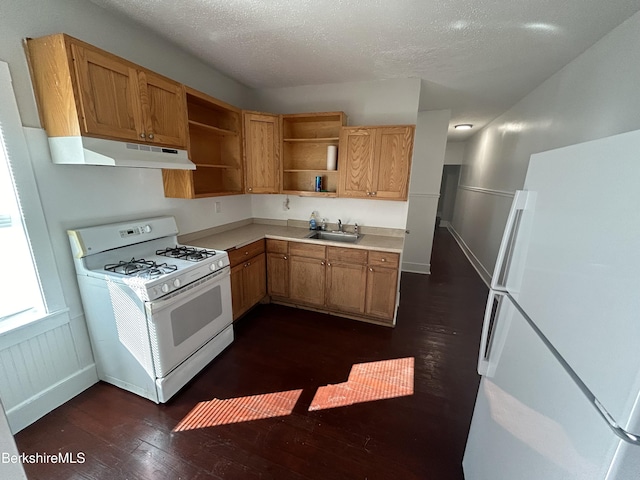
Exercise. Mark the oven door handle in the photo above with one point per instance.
(188, 291)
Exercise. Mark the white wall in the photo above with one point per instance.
(594, 96)
(454, 155)
(385, 102)
(424, 189)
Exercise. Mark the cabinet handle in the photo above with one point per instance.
(284, 257)
(250, 189)
(374, 194)
(151, 135)
(142, 135)
(246, 253)
(322, 263)
(368, 194)
(248, 263)
(383, 259)
(328, 264)
(370, 269)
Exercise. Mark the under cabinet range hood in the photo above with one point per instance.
(97, 151)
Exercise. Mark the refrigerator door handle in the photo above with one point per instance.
(611, 422)
(485, 366)
(520, 201)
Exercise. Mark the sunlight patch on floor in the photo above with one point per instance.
(241, 409)
(368, 382)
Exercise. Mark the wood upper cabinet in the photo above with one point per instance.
(215, 146)
(375, 162)
(262, 152)
(84, 90)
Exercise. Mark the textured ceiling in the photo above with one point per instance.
(475, 57)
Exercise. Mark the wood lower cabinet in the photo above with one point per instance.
(307, 281)
(382, 284)
(278, 268)
(84, 90)
(346, 279)
(356, 283)
(248, 277)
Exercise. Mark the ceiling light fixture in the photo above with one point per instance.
(463, 126)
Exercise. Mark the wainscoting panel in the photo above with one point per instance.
(40, 373)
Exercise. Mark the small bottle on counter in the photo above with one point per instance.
(312, 221)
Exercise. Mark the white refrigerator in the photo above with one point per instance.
(559, 357)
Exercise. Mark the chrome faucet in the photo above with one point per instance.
(355, 229)
(340, 225)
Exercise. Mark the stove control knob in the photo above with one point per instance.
(176, 282)
(146, 229)
(220, 263)
(212, 267)
(165, 288)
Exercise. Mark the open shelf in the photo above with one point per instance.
(307, 137)
(215, 146)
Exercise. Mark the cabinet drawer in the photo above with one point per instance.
(277, 246)
(306, 250)
(384, 259)
(241, 254)
(346, 255)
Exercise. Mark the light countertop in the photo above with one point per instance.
(245, 234)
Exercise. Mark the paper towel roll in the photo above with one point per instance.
(332, 157)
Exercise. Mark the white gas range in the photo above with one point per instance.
(158, 312)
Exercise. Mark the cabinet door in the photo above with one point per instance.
(394, 147)
(109, 95)
(164, 110)
(262, 153)
(237, 291)
(346, 284)
(306, 280)
(278, 274)
(255, 280)
(357, 155)
(382, 284)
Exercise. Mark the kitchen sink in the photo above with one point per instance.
(335, 236)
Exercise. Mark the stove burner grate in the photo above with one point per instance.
(140, 268)
(191, 254)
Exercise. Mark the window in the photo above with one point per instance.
(30, 289)
(19, 286)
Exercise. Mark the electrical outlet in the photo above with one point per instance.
(218, 207)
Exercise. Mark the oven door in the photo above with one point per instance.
(182, 322)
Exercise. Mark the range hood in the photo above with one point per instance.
(97, 151)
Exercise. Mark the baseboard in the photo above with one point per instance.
(484, 274)
(36, 407)
(423, 268)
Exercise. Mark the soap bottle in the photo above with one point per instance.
(312, 221)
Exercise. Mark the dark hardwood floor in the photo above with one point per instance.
(420, 436)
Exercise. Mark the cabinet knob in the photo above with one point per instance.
(284, 257)
(383, 259)
(368, 194)
(246, 253)
(374, 194)
(322, 263)
(142, 135)
(328, 264)
(370, 269)
(151, 135)
(250, 189)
